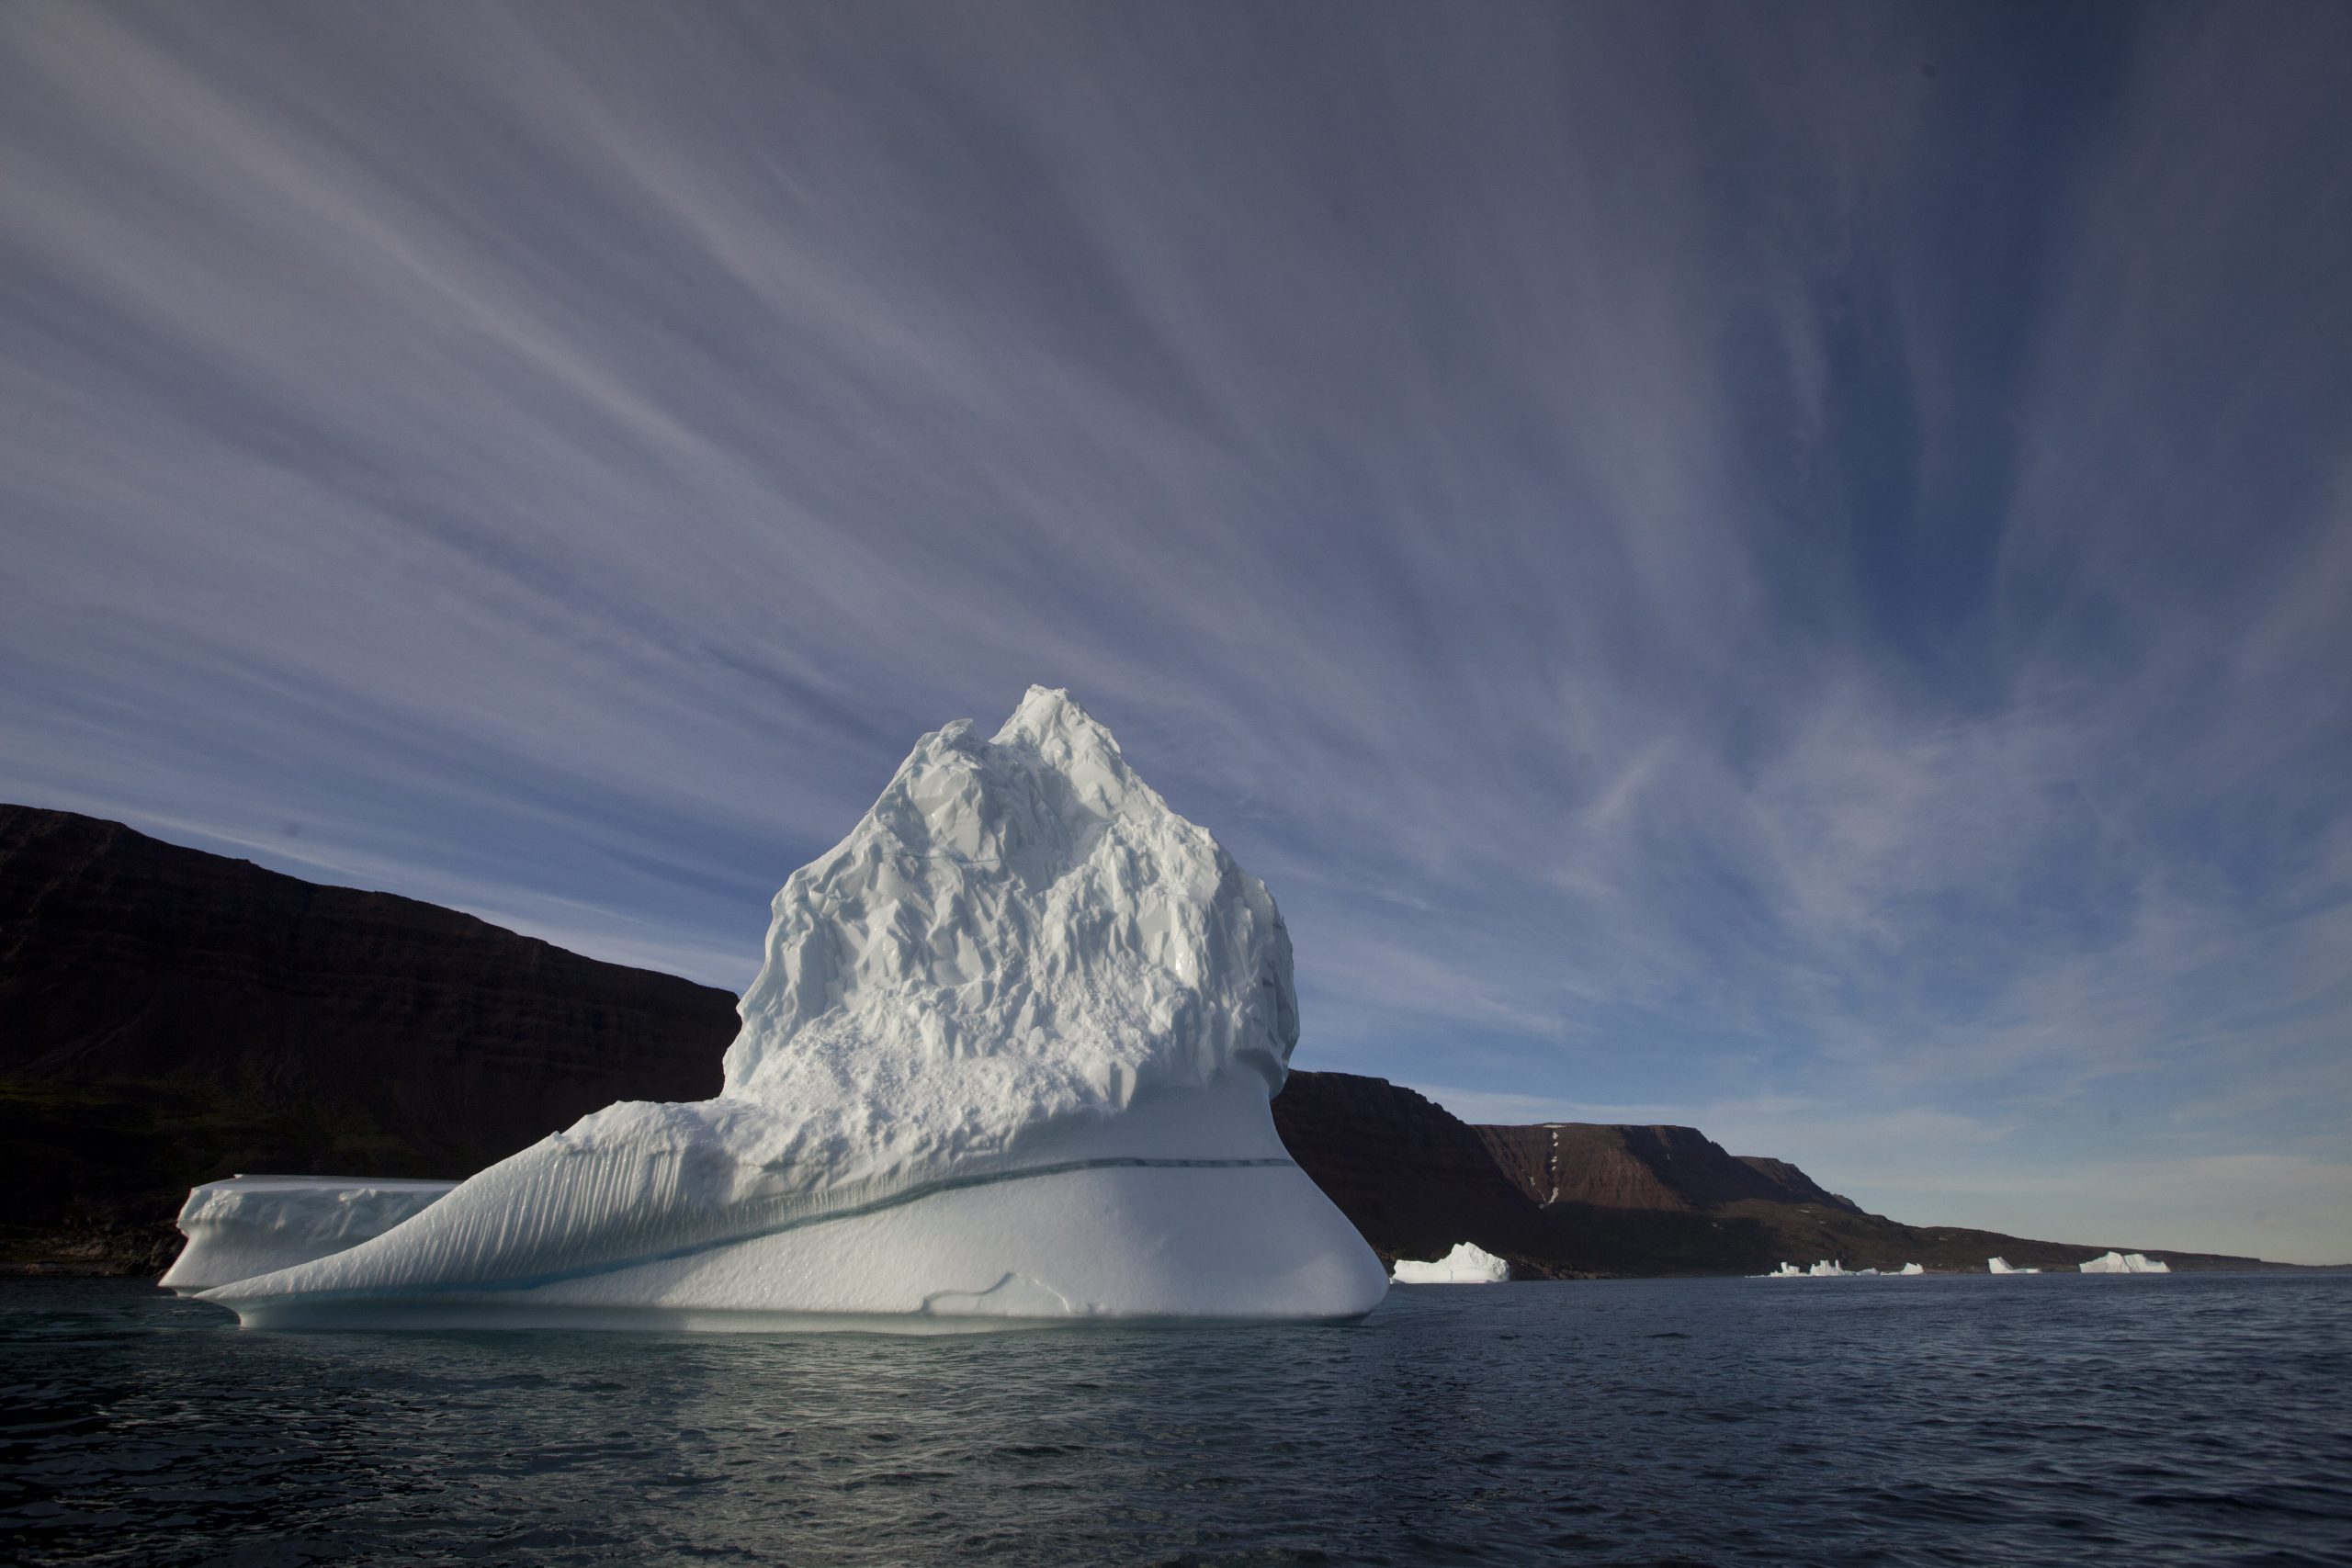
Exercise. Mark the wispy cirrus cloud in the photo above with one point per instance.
(1801, 555)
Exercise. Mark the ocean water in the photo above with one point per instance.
(1966, 1420)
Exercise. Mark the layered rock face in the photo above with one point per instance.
(168, 1016)
(1008, 1059)
(1663, 1169)
(1569, 1200)
(1669, 1200)
(1417, 1181)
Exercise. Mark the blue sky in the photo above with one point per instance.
(1781, 568)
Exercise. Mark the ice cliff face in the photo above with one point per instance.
(1009, 1055)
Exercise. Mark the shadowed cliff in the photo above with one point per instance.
(169, 1017)
(1586, 1198)
(1411, 1177)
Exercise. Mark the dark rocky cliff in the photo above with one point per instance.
(169, 1017)
(1413, 1179)
(1568, 1199)
(1671, 1200)
(1558, 1201)
(1678, 1169)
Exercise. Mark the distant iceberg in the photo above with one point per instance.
(1467, 1264)
(1831, 1269)
(2123, 1263)
(2001, 1266)
(1007, 1060)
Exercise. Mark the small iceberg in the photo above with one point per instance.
(1827, 1268)
(1831, 1270)
(2124, 1263)
(2001, 1266)
(1467, 1264)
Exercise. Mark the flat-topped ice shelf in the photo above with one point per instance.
(256, 1224)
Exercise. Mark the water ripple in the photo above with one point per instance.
(2189, 1419)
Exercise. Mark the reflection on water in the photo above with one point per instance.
(1963, 1420)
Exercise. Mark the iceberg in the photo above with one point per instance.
(1007, 1061)
(2123, 1263)
(2001, 1266)
(257, 1225)
(1828, 1269)
(1467, 1264)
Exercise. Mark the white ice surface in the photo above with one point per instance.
(253, 1225)
(1023, 993)
(1827, 1269)
(1467, 1264)
(2123, 1263)
(2001, 1266)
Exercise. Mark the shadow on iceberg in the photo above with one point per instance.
(1007, 1061)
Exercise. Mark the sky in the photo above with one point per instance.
(1786, 569)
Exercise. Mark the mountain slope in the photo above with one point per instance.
(1571, 1199)
(169, 1017)
(1411, 1177)
(1662, 1168)
(1669, 1200)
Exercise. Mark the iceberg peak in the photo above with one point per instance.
(1020, 928)
(1051, 712)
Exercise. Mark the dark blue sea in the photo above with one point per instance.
(1963, 1420)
